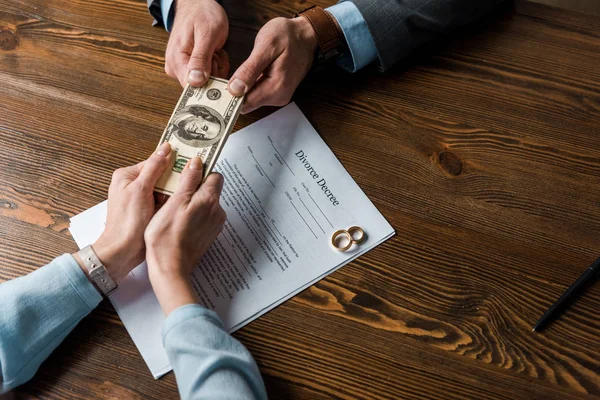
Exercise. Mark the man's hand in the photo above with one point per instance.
(283, 53)
(130, 208)
(195, 47)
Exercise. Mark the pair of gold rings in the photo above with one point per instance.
(353, 235)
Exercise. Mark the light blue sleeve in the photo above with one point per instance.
(207, 361)
(358, 37)
(166, 8)
(37, 312)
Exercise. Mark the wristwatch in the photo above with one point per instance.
(98, 274)
(329, 33)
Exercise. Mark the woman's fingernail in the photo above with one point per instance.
(164, 149)
(197, 75)
(238, 88)
(196, 163)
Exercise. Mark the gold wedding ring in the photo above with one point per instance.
(336, 236)
(358, 230)
(349, 234)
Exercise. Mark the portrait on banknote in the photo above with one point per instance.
(198, 125)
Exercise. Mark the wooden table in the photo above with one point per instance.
(482, 153)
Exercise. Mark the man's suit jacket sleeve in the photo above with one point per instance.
(154, 9)
(163, 12)
(400, 26)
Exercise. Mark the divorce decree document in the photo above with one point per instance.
(285, 194)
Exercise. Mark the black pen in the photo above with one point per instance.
(572, 292)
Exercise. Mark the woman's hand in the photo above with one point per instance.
(180, 233)
(130, 208)
(195, 48)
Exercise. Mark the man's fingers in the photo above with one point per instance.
(191, 177)
(169, 69)
(200, 62)
(248, 73)
(210, 189)
(169, 59)
(176, 67)
(266, 92)
(176, 60)
(222, 64)
(154, 167)
(181, 69)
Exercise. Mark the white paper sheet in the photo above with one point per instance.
(285, 194)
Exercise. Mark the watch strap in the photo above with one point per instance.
(326, 28)
(96, 270)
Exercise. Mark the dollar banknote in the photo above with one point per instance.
(203, 119)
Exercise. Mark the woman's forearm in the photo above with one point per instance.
(172, 290)
(208, 362)
(38, 312)
(203, 354)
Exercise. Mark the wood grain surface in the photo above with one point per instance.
(482, 152)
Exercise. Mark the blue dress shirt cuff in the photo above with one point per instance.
(168, 13)
(358, 37)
